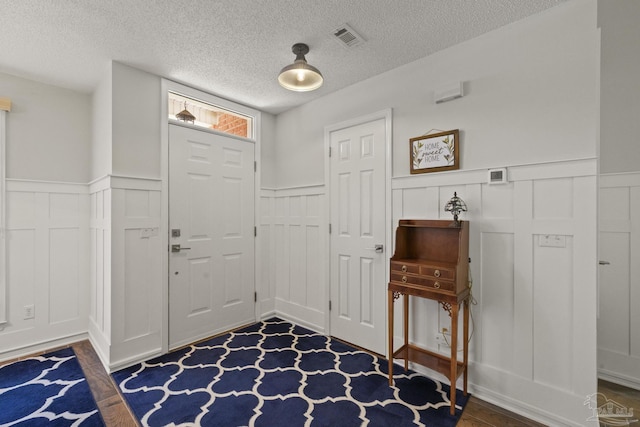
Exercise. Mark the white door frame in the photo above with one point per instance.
(387, 116)
(166, 86)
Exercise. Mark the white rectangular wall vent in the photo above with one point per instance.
(347, 37)
(449, 92)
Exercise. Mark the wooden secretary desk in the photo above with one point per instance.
(431, 261)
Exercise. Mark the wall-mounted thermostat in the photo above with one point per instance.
(497, 176)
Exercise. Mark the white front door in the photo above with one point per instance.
(358, 217)
(211, 219)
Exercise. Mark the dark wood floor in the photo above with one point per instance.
(477, 413)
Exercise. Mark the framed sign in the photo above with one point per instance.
(436, 152)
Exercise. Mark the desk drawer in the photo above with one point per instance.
(404, 267)
(438, 272)
(427, 282)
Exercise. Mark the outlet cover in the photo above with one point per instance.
(443, 339)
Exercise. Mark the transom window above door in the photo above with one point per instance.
(209, 116)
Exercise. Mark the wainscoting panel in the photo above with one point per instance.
(100, 268)
(498, 300)
(126, 270)
(292, 240)
(47, 268)
(265, 273)
(619, 280)
(64, 274)
(533, 267)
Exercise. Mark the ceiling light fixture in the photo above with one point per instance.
(185, 115)
(300, 76)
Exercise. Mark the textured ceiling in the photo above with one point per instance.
(236, 49)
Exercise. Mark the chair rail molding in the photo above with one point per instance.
(3, 224)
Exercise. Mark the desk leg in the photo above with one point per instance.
(390, 320)
(465, 344)
(454, 356)
(405, 311)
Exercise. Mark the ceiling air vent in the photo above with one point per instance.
(347, 37)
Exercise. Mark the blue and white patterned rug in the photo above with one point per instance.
(47, 390)
(274, 373)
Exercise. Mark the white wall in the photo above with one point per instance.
(619, 284)
(125, 270)
(620, 91)
(47, 266)
(533, 345)
(102, 135)
(48, 152)
(268, 160)
(128, 316)
(531, 97)
(126, 283)
(293, 237)
(532, 106)
(136, 122)
(48, 131)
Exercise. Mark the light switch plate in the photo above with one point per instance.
(145, 233)
(553, 241)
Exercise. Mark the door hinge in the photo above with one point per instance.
(329, 151)
(255, 297)
(255, 231)
(329, 228)
(329, 305)
(255, 166)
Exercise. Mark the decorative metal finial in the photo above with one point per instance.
(455, 206)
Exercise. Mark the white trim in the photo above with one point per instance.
(132, 360)
(620, 379)
(267, 192)
(3, 219)
(311, 190)
(534, 413)
(625, 179)
(525, 172)
(42, 345)
(169, 85)
(387, 116)
(46, 186)
(124, 183)
(213, 131)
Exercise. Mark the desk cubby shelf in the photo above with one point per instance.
(431, 261)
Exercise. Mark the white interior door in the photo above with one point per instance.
(211, 219)
(358, 217)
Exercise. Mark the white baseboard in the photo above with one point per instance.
(619, 379)
(138, 358)
(268, 315)
(45, 345)
(521, 408)
(300, 315)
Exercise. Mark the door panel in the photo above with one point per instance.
(358, 215)
(211, 202)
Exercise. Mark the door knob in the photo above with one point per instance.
(177, 248)
(378, 248)
(604, 263)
